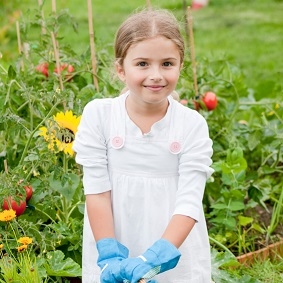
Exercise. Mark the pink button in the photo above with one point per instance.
(117, 142)
(175, 147)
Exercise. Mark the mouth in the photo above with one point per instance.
(154, 87)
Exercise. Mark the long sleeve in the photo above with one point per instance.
(90, 146)
(194, 166)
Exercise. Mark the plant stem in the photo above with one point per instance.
(33, 132)
(221, 246)
(65, 203)
(49, 217)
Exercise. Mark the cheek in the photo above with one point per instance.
(133, 77)
(173, 77)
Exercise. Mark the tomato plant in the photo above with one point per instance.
(210, 100)
(18, 206)
(29, 192)
(43, 68)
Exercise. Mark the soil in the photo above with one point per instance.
(263, 216)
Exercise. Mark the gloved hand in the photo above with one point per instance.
(150, 281)
(160, 257)
(110, 255)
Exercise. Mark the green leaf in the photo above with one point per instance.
(236, 205)
(237, 166)
(258, 228)
(229, 222)
(222, 266)
(254, 139)
(244, 221)
(65, 186)
(11, 73)
(56, 265)
(257, 195)
(219, 206)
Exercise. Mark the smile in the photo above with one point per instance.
(154, 87)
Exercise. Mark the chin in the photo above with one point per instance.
(155, 100)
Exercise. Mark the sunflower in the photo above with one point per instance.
(61, 132)
(7, 215)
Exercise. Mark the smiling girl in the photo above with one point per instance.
(146, 159)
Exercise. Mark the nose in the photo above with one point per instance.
(155, 74)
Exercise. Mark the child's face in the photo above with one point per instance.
(151, 69)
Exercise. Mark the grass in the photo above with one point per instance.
(267, 271)
(248, 32)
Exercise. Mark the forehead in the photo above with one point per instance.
(159, 46)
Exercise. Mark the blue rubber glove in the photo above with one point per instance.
(160, 257)
(150, 281)
(110, 255)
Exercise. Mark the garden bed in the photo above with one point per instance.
(272, 251)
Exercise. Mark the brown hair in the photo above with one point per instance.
(144, 25)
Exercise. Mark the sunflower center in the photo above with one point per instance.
(66, 135)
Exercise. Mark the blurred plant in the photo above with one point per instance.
(22, 260)
(248, 155)
(17, 262)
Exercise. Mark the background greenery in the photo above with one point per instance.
(248, 31)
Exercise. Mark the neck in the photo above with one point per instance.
(145, 115)
(146, 109)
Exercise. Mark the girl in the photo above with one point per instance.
(146, 159)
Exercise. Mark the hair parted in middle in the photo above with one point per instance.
(144, 25)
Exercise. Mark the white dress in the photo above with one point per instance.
(152, 176)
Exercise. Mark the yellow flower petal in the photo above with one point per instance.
(25, 240)
(61, 132)
(22, 248)
(7, 215)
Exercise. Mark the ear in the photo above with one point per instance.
(120, 72)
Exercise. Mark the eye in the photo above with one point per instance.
(142, 64)
(167, 64)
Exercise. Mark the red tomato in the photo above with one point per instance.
(29, 192)
(69, 68)
(43, 68)
(210, 100)
(10, 203)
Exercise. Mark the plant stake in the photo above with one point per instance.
(92, 46)
(54, 6)
(192, 49)
(19, 44)
(6, 166)
(186, 22)
(56, 54)
(43, 30)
